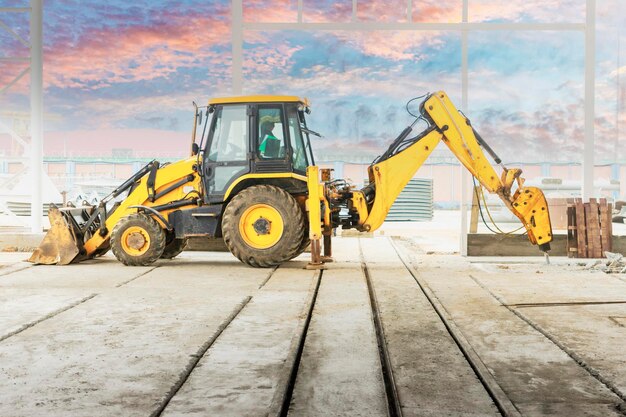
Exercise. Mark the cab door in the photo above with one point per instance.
(227, 155)
(271, 140)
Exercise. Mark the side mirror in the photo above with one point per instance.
(195, 149)
(199, 116)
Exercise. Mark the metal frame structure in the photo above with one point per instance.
(587, 28)
(239, 26)
(36, 101)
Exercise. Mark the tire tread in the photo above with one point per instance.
(293, 224)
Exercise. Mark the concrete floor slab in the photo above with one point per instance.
(35, 293)
(13, 262)
(205, 276)
(242, 372)
(11, 268)
(100, 338)
(105, 272)
(345, 250)
(543, 283)
(536, 375)
(432, 376)
(117, 354)
(22, 308)
(595, 333)
(339, 373)
(592, 332)
(14, 257)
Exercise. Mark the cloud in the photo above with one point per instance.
(9, 71)
(359, 109)
(327, 11)
(570, 11)
(93, 48)
(270, 11)
(278, 53)
(619, 71)
(388, 11)
(440, 11)
(552, 133)
(395, 45)
(139, 64)
(171, 111)
(105, 56)
(275, 60)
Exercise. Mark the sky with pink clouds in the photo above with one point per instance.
(133, 68)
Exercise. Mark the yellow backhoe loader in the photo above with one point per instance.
(252, 181)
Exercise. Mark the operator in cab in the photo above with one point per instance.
(270, 144)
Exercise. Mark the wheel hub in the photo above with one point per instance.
(262, 226)
(136, 240)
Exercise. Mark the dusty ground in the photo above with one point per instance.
(205, 335)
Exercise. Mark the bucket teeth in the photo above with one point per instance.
(60, 245)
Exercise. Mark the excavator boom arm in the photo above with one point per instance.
(389, 175)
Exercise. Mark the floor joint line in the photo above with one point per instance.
(46, 317)
(573, 355)
(502, 402)
(196, 357)
(279, 407)
(563, 304)
(4, 274)
(394, 406)
(138, 276)
(271, 273)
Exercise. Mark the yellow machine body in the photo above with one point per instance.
(269, 217)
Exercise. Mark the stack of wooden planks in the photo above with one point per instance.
(589, 229)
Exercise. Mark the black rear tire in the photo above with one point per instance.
(173, 247)
(289, 237)
(127, 237)
(305, 241)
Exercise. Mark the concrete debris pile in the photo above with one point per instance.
(613, 264)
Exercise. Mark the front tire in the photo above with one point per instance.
(263, 226)
(137, 240)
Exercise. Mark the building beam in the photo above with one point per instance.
(14, 59)
(14, 34)
(15, 80)
(237, 46)
(14, 9)
(36, 113)
(464, 93)
(398, 26)
(13, 134)
(590, 79)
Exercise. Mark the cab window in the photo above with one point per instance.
(230, 135)
(298, 157)
(271, 139)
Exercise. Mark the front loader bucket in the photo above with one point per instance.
(60, 245)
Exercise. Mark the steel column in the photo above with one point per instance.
(590, 78)
(237, 46)
(464, 88)
(36, 112)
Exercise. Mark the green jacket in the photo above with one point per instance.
(268, 137)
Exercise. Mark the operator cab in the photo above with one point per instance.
(253, 135)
